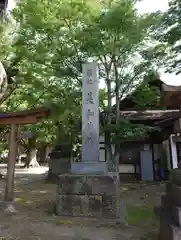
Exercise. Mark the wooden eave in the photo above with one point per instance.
(164, 119)
(24, 117)
(147, 117)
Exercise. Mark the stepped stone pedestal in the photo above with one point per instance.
(88, 196)
(170, 219)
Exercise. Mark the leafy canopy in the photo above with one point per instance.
(51, 41)
(168, 34)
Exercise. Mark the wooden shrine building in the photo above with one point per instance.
(145, 158)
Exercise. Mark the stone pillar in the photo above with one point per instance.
(170, 219)
(89, 191)
(90, 162)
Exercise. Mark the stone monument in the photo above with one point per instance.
(90, 124)
(89, 191)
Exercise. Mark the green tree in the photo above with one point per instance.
(117, 38)
(7, 83)
(54, 38)
(168, 35)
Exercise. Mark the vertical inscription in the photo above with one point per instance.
(90, 113)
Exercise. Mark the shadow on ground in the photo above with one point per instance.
(35, 219)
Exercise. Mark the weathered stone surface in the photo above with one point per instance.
(72, 184)
(70, 205)
(88, 196)
(101, 185)
(82, 184)
(86, 205)
(109, 206)
(91, 167)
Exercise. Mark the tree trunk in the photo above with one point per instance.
(108, 142)
(117, 144)
(31, 159)
(9, 190)
(108, 146)
(42, 154)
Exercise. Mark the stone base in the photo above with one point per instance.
(89, 168)
(89, 196)
(170, 220)
(8, 207)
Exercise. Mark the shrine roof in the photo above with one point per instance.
(164, 119)
(153, 117)
(150, 114)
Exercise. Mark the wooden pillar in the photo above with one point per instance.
(9, 190)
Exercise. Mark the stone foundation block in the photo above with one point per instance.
(91, 185)
(86, 205)
(88, 196)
